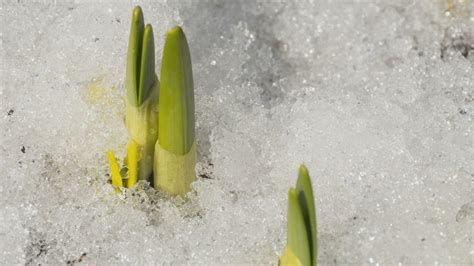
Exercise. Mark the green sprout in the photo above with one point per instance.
(141, 116)
(167, 149)
(302, 245)
(175, 150)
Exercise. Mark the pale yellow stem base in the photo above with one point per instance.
(289, 259)
(142, 126)
(174, 173)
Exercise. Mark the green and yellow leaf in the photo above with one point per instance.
(304, 191)
(142, 85)
(302, 244)
(175, 151)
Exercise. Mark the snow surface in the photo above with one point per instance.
(375, 97)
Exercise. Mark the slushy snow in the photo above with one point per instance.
(375, 97)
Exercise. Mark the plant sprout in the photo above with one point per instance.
(175, 150)
(302, 245)
(167, 149)
(141, 83)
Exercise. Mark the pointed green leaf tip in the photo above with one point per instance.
(140, 76)
(176, 131)
(297, 236)
(302, 234)
(304, 191)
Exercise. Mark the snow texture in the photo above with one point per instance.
(375, 97)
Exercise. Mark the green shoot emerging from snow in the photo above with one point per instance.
(302, 245)
(175, 151)
(141, 114)
(141, 82)
(167, 150)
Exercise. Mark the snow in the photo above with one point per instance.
(375, 97)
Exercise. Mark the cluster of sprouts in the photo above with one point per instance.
(162, 142)
(159, 116)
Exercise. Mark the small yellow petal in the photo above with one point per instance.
(132, 162)
(114, 167)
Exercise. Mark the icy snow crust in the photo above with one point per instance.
(376, 97)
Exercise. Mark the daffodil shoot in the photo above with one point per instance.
(141, 83)
(175, 150)
(302, 245)
(160, 121)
